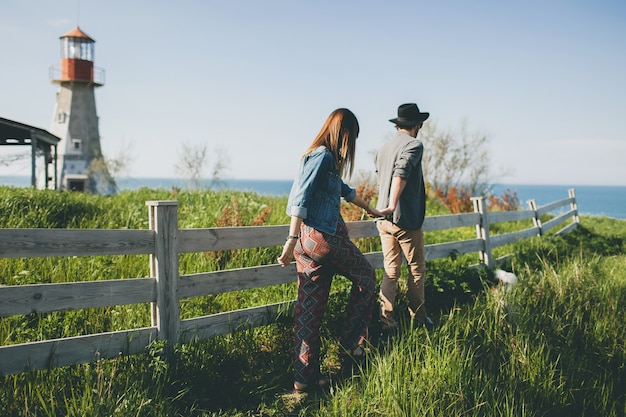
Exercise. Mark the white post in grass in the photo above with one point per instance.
(164, 267)
(482, 231)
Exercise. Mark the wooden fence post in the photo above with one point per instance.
(572, 194)
(482, 231)
(536, 219)
(164, 267)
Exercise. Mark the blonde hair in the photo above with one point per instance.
(338, 135)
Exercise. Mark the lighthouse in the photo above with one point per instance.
(75, 120)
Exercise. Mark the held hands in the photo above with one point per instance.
(372, 212)
(386, 211)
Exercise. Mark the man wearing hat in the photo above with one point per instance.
(402, 199)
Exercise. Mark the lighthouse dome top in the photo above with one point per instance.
(77, 33)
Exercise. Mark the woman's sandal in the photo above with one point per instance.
(321, 384)
(358, 353)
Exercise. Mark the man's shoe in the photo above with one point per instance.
(387, 334)
(427, 323)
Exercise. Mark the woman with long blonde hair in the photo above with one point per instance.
(318, 238)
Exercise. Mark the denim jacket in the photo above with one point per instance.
(317, 191)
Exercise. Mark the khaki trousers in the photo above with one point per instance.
(395, 243)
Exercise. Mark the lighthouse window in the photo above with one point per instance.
(61, 117)
(76, 145)
(76, 48)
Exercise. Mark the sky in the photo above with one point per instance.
(253, 81)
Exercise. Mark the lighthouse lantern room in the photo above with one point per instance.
(77, 56)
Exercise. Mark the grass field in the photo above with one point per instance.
(554, 346)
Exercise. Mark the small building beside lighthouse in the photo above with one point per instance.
(79, 155)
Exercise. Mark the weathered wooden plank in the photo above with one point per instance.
(443, 250)
(506, 238)
(22, 243)
(375, 258)
(232, 321)
(223, 238)
(509, 216)
(217, 282)
(554, 205)
(450, 221)
(362, 228)
(54, 353)
(557, 220)
(43, 298)
(567, 229)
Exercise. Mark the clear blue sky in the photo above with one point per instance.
(544, 79)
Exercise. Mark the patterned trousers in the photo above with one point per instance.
(319, 256)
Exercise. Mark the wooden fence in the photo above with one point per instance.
(165, 287)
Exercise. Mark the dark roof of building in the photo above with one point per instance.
(16, 133)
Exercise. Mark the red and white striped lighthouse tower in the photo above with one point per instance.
(75, 121)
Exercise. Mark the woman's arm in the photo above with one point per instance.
(313, 167)
(294, 233)
(360, 202)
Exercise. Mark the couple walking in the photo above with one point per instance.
(319, 241)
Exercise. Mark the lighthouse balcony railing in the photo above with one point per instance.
(98, 77)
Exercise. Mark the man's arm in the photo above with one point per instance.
(397, 186)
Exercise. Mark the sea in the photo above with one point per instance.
(594, 200)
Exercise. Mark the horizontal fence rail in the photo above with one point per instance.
(164, 289)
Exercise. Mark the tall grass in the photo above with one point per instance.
(553, 346)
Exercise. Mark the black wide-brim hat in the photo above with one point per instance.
(409, 115)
